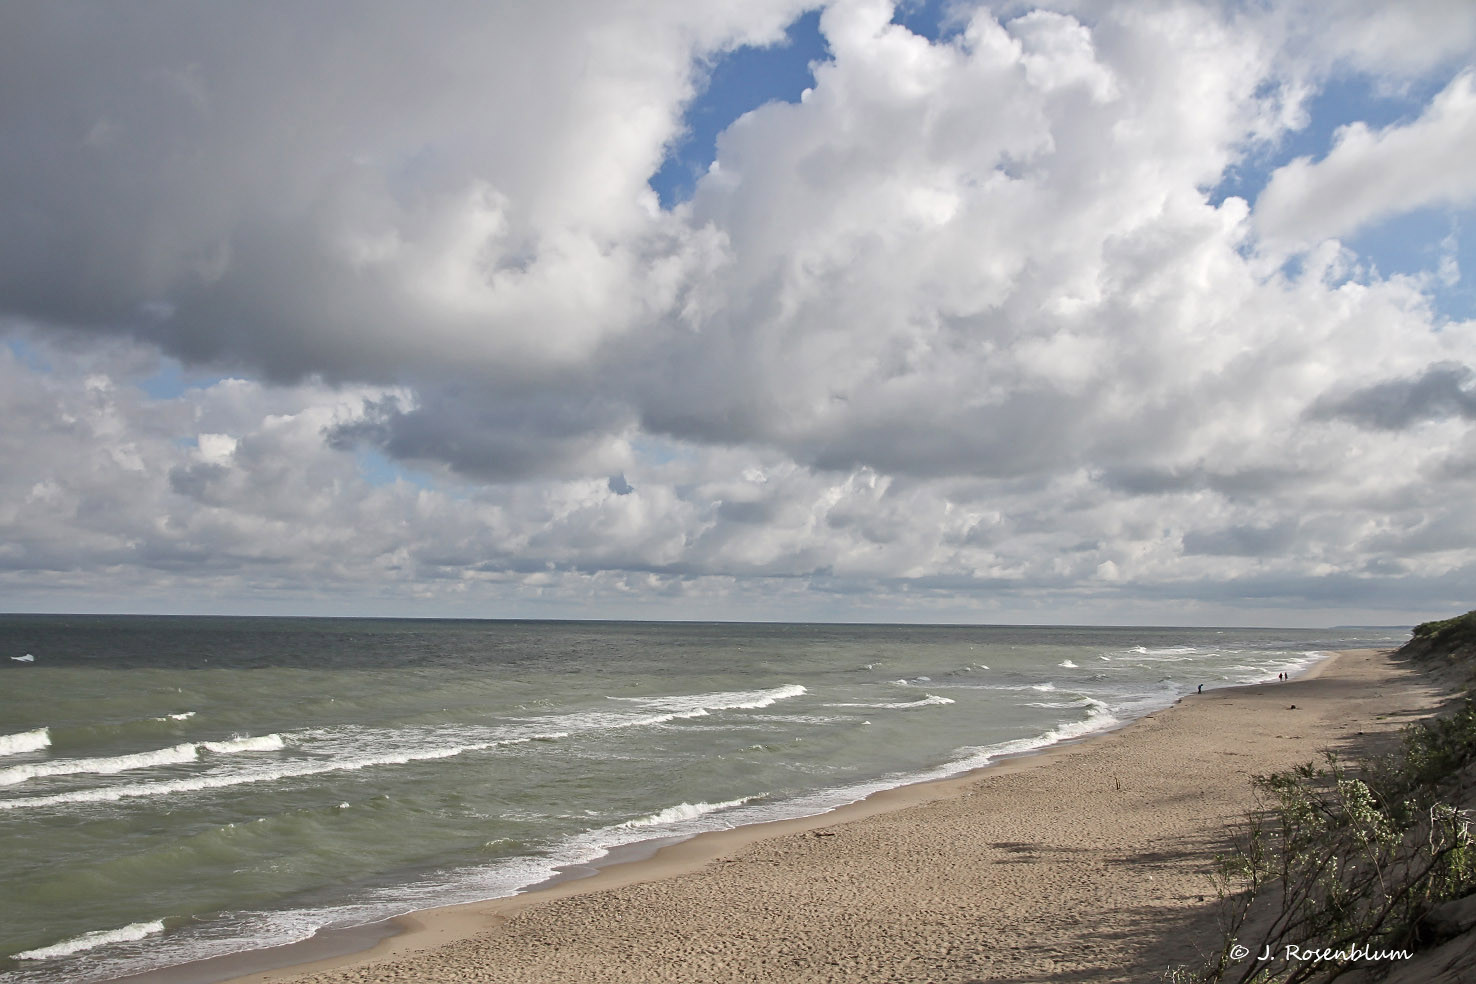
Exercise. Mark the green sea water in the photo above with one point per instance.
(178, 788)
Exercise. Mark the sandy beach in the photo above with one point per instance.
(1090, 862)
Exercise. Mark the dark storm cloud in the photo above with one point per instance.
(1243, 541)
(1239, 483)
(197, 481)
(289, 187)
(746, 512)
(1031, 431)
(508, 436)
(1442, 391)
(1151, 481)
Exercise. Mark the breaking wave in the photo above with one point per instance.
(89, 941)
(25, 741)
(684, 811)
(113, 764)
(927, 701)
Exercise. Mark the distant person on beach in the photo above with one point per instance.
(1201, 688)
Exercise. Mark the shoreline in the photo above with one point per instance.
(352, 954)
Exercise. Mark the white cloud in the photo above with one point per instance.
(1393, 41)
(1370, 175)
(478, 173)
(958, 333)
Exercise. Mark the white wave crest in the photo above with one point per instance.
(169, 787)
(1168, 654)
(684, 811)
(88, 941)
(27, 658)
(764, 698)
(110, 765)
(25, 741)
(113, 764)
(678, 707)
(245, 743)
(727, 700)
(1068, 664)
(976, 758)
(1097, 719)
(927, 701)
(184, 716)
(1091, 705)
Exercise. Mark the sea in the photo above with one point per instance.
(178, 788)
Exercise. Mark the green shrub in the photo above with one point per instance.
(1446, 635)
(1346, 862)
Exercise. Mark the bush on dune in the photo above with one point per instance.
(1354, 862)
(1451, 637)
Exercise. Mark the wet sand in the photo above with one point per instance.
(1087, 862)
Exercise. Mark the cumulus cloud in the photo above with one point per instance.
(1370, 175)
(1441, 391)
(961, 332)
(1394, 42)
(350, 189)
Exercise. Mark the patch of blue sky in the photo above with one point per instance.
(1413, 243)
(935, 20)
(172, 380)
(169, 381)
(658, 451)
(1343, 99)
(1405, 244)
(1419, 242)
(738, 82)
(1433, 243)
(27, 355)
(379, 469)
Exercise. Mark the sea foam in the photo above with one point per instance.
(245, 743)
(169, 787)
(25, 741)
(928, 700)
(684, 811)
(113, 764)
(1098, 718)
(88, 941)
(675, 708)
(1167, 654)
(724, 700)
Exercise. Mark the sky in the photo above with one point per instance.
(1079, 312)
